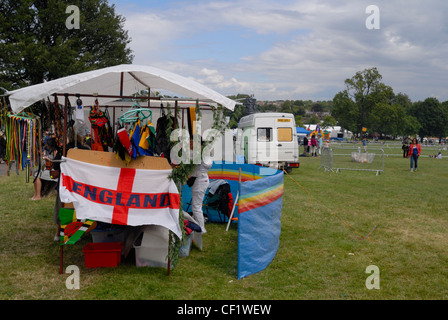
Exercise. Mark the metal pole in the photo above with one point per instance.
(113, 120)
(121, 84)
(64, 143)
(175, 114)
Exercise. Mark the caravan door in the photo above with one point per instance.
(286, 140)
(266, 140)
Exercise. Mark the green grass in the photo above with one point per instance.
(323, 254)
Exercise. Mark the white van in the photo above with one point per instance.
(268, 139)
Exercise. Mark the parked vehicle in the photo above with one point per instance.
(269, 139)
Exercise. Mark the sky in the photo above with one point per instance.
(293, 49)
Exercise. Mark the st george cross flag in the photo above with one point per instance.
(124, 196)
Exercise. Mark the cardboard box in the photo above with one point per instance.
(110, 159)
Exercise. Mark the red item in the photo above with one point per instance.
(230, 204)
(411, 149)
(188, 231)
(124, 139)
(71, 228)
(102, 254)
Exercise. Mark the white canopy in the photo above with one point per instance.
(107, 81)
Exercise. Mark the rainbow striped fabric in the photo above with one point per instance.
(259, 211)
(253, 200)
(229, 172)
(259, 226)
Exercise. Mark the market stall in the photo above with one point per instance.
(134, 135)
(127, 180)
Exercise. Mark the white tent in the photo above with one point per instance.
(113, 82)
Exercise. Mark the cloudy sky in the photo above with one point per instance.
(293, 49)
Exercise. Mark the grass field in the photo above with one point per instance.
(324, 249)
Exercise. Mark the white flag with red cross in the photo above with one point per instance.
(123, 196)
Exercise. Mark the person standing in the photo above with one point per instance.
(415, 150)
(313, 146)
(405, 147)
(364, 144)
(305, 145)
(319, 143)
(44, 173)
(199, 188)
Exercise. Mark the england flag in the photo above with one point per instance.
(123, 196)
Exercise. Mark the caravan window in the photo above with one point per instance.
(284, 134)
(264, 134)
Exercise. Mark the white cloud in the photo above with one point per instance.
(317, 45)
(212, 78)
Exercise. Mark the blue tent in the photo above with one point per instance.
(301, 130)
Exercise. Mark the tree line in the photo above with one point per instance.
(367, 103)
(305, 111)
(365, 106)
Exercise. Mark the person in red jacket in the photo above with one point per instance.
(415, 149)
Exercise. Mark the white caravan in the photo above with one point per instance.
(268, 139)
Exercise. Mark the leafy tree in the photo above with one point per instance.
(388, 118)
(239, 110)
(268, 107)
(445, 105)
(37, 46)
(288, 106)
(299, 121)
(445, 109)
(353, 107)
(317, 107)
(432, 116)
(300, 111)
(328, 121)
(236, 115)
(345, 111)
(299, 103)
(403, 100)
(410, 126)
(314, 119)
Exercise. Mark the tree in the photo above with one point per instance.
(299, 121)
(353, 107)
(388, 118)
(432, 116)
(410, 126)
(300, 111)
(235, 116)
(238, 112)
(403, 100)
(328, 121)
(445, 109)
(317, 107)
(345, 111)
(37, 46)
(314, 119)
